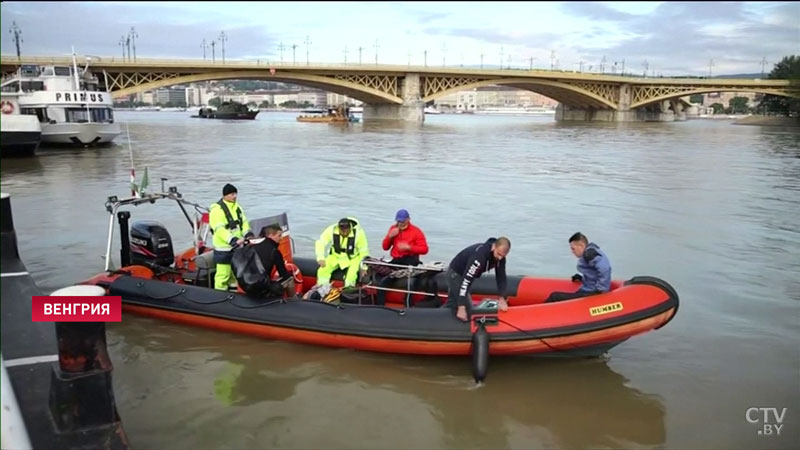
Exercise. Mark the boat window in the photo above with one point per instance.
(11, 87)
(78, 115)
(47, 71)
(28, 70)
(62, 71)
(41, 113)
(102, 115)
(29, 86)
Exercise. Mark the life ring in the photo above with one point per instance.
(7, 107)
(298, 278)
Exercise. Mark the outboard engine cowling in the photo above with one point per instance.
(151, 243)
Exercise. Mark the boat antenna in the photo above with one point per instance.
(130, 151)
(75, 68)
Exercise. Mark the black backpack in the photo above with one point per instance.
(248, 270)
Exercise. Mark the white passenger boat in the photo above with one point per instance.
(68, 102)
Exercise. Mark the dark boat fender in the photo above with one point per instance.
(480, 353)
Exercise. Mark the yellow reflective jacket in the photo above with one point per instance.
(348, 248)
(225, 234)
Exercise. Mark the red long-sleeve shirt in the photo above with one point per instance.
(412, 235)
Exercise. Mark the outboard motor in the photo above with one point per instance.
(151, 244)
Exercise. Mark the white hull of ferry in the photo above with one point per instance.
(20, 135)
(80, 133)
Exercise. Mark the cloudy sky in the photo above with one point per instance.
(673, 38)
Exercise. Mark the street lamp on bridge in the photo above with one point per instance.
(133, 34)
(222, 39)
(345, 54)
(376, 51)
(294, 53)
(17, 32)
(281, 48)
(444, 53)
(122, 45)
(204, 46)
(307, 42)
(213, 52)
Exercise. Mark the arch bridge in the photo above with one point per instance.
(400, 92)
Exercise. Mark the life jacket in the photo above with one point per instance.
(232, 224)
(351, 243)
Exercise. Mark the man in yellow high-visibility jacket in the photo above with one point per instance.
(348, 246)
(230, 228)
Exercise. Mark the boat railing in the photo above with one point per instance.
(402, 271)
(114, 203)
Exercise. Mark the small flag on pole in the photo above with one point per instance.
(145, 182)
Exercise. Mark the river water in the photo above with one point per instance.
(711, 207)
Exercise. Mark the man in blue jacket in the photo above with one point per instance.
(594, 270)
(468, 265)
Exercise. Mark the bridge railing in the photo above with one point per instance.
(266, 64)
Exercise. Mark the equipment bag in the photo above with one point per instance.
(248, 270)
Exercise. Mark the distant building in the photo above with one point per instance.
(725, 97)
(196, 95)
(279, 99)
(467, 101)
(315, 97)
(334, 99)
(174, 95)
(493, 96)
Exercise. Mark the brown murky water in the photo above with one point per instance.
(710, 207)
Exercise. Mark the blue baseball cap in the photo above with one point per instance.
(401, 215)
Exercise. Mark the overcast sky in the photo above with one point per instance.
(673, 37)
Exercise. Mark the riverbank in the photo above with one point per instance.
(769, 121)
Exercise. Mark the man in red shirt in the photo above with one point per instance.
(407, 243)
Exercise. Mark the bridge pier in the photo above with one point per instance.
(411, 110)
(664, 111)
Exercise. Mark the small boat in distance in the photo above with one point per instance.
(331, 115)
(431, 110)
(228, 111)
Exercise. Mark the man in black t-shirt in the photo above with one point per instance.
(468, 265)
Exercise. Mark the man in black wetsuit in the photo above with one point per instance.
(271, 257)
(468, 265)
